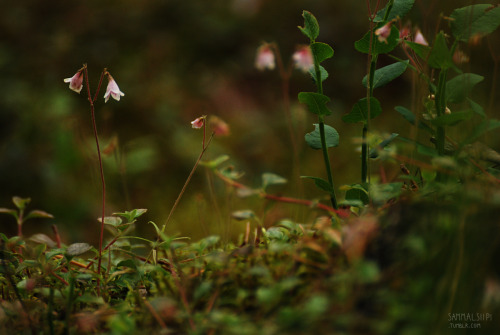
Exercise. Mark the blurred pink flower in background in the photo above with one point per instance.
(303, 58)
(218, 126)
(75, 82)
(265, 58)
(112, 90)
(419, 38)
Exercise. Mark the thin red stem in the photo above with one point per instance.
(101, 170)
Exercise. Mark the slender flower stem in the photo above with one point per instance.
(205, 147)
(101, 170)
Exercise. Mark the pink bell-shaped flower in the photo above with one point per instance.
(265, 58)
(75, 82)
(112, 90)
(303, 58)
(198, 122)
(384, 32)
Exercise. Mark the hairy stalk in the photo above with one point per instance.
(101, 170)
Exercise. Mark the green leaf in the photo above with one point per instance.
(321, 183)
(406, 113)
(421, 50)
(111, 220)
(410, 117)
(43, 239)
(357, 193)
(387, 74)
(324, 73)
(440, 56)
(38, 214)
(313, 139)
(132, 215)
(475, 20)
(452, 119)
(315, 102)
(363, 45)
(311, 26)
(459, 87)
(272, 179)
(321, 51)
(243, 215)
(212, 164)
(76, 249)
(476, 108)
(359, 112)
(21, 203)
(399, 9)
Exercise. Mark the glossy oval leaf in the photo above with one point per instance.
(359, 112)
(321, 183)
(321, 51)
(459, 87)
(311, 26)
(315, 102)
(20, 203)
(323, 72)
(475, 20)
(363, 45)
(399, 9)
(388, 73)
(313, 139)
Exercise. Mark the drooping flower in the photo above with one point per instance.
(76, 82)
(265, 57)
(404, 32)
(219, 126)
(384, 32)
(112, 90)
(303, 58)
(198, 122)
(419, 38)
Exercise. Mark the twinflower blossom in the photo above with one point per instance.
(112, 90)
(303, 58)
(198, 122)
(265, 58)
(218, 126)
(419, 38)
(75, 82)
(384, 32)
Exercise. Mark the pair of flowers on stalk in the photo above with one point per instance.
(266, 59)
(76, 84)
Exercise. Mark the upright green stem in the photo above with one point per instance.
(324, 148)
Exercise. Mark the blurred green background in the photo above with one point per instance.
(175, 61)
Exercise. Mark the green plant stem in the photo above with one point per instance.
(324, 148)
(333, 197)
(364, 155)
(188, 178)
